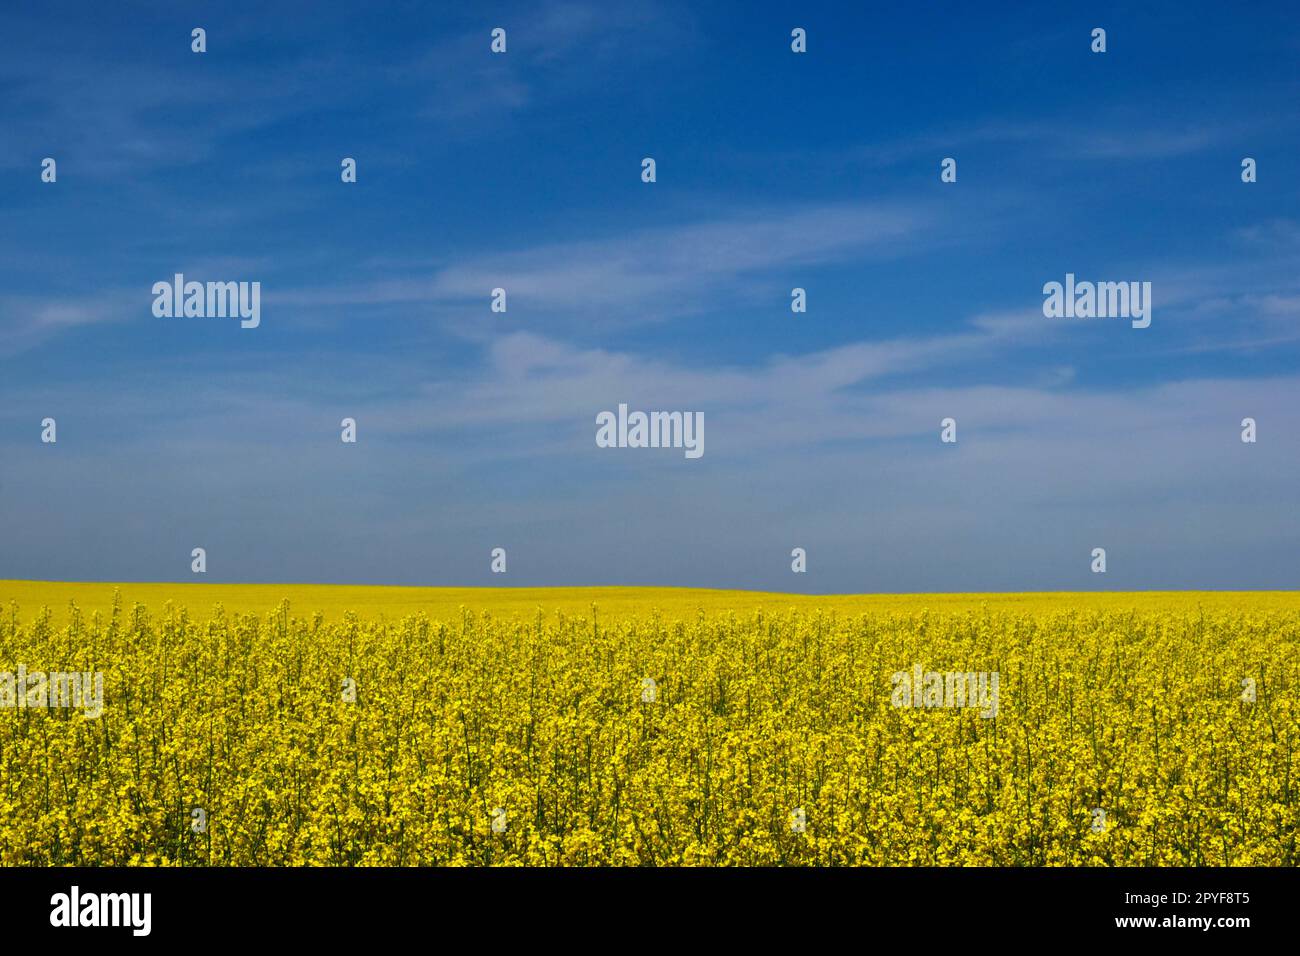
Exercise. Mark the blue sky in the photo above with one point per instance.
(775, 170)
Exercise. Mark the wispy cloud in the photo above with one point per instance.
(651, 274)
(1115, 135)
(555, 51)
(29, 321)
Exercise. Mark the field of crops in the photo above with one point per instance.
(717, 729)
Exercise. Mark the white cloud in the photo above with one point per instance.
(652, 273)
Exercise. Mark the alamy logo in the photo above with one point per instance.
(211, 300)
(102, 909)
(38, 690)
(1098, 300)
(653, 430)
(954, 689)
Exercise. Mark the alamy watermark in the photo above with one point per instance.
(948, 689)
(1098, 300)
(211, 300)
(75, 908)
(651, 430)
(38, 690)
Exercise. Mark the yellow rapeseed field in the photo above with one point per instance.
(623, 726)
